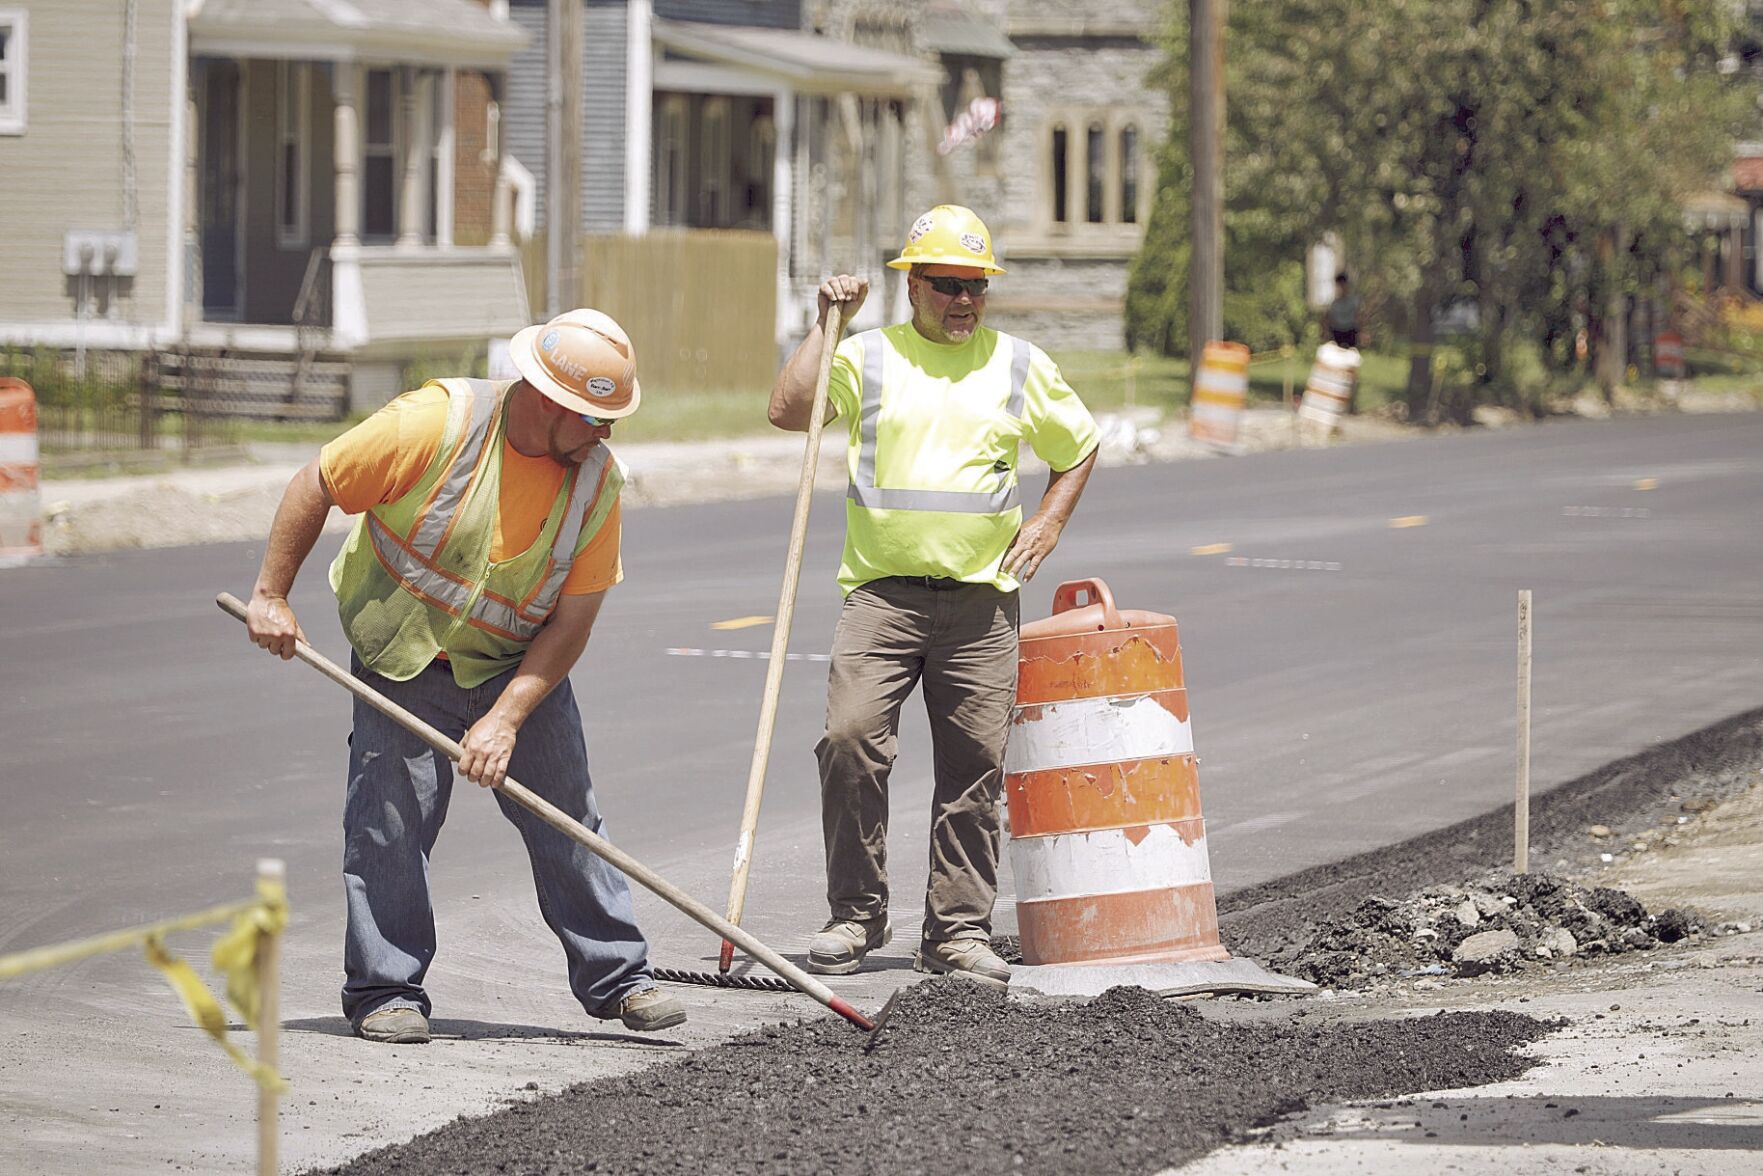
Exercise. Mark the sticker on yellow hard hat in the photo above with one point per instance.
(974, 242)
(921, 226)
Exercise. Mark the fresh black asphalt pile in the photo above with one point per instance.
(965, 1079)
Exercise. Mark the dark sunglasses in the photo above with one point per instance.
(593, 421)
(949, 287)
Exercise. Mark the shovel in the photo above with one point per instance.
(574, 830)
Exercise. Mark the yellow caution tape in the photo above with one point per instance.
(235, 956)
(207, 1011)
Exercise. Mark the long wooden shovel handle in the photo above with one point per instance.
(780, 634)
(572, 828)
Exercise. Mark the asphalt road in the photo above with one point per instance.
(1350, 662)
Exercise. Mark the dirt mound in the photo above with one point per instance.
(1503, 924)
(964, 1078)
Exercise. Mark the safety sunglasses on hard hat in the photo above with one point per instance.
(949, 287)
(593, 421)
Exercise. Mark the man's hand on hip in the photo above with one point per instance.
(269, 621)
(1033, 543)
(488, 746)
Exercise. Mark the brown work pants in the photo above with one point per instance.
(960, 639)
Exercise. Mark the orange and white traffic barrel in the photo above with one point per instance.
(1329, 390)
(1668, 355)
(1220, 386)
(1107, 842)
(21, 519)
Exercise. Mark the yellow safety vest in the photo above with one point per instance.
(934, 436)
(415, 577)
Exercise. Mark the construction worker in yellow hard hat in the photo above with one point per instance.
(488, 536)
(936, 547)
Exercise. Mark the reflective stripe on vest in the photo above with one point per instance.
(410, 562)
(864, 492)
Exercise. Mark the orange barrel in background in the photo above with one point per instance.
(1668, 355)
(21, 518)
(1106, 838)
(1220, 386)
(1329, 390)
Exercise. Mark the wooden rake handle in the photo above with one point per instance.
(572, 828)
(780, 635)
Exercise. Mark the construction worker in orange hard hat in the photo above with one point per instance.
(488, 536)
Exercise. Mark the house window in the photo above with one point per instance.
(1095, 173)
(1129, 175)
(293, 153)
(1106, 165)
(379, 157)
(12, 71)
(1061, 155)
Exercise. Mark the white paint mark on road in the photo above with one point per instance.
(1606, 512)
(747, 654)
(1289, 565)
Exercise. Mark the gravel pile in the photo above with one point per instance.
(966, 1079)
(1504, 924)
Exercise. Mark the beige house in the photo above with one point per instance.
(293, 184)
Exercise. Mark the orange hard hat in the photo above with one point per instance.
(583, 360)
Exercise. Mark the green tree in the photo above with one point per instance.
(1525, 158)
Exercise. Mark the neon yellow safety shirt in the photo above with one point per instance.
(934, 433)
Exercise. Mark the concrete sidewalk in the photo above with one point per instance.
(1658, 1066)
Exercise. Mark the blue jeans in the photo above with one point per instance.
(398, 792)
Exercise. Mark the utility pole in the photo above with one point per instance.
(563, 154)
(1206, 20)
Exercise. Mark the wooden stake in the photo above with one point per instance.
(780, 633)
(269, 1019)
(1521, 807)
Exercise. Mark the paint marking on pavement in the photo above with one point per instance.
(1210, 549)
(747, 654)
(1646, 483)
(1606, 512)
(1284, 565)
(741, 622)
(1401, 521)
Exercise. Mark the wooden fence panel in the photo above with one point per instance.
(700, 305)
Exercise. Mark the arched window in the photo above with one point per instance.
(1129, 174)
(1061, 154)
(1095, 173)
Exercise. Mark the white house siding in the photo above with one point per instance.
(441, 294)
(523, 100)
(66, 171)
(604, 31)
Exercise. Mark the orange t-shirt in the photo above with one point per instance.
(379, 460)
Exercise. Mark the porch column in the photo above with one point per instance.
(783, 209)
(417, 101)
(348, 296)
(346, 153)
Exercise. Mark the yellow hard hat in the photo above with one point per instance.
(948, 235)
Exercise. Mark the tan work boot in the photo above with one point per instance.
(973, 959)
(399, 1025)
(842, 944)
(646, 1011)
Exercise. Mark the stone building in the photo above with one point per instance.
(1066, 176)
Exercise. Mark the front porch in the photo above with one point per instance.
(348, 200)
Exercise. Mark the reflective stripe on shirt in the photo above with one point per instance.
(863, 490)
